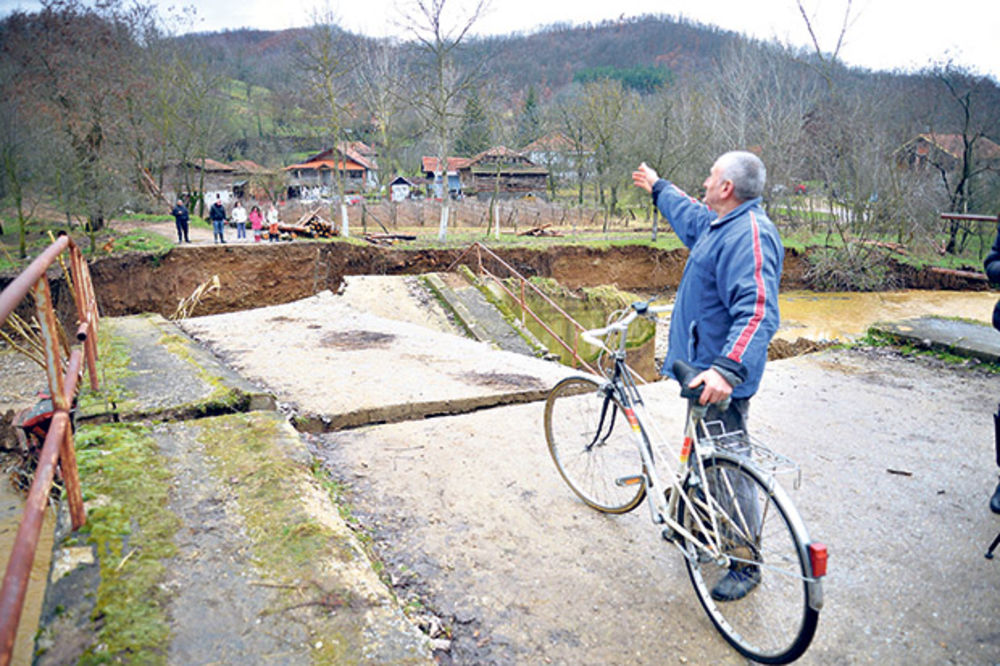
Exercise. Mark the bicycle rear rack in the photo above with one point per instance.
(740, 444)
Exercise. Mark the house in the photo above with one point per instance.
(253, 180)
(212, 177)
(429, 167)
(498, 170)
(401, 188)
(503, 172)
(315, 176)
(559, 155)
(945, 151)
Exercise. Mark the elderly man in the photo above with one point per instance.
(726, 309)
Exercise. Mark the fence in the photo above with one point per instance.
(63, 375)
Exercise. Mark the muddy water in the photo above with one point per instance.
(11, 509)
(845, 316)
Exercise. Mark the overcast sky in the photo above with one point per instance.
(883, 34)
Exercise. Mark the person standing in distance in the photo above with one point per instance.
(181, 217)
(217, 213)
(726, 308)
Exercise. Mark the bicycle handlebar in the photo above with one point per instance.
(637, 309)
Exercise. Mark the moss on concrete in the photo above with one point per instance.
(125, 484)
(290, 546)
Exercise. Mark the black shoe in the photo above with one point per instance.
(995, 500)
(738, 583)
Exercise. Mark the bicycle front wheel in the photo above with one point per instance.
(591, 443)
(760, 601)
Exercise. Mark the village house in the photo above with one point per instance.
(944, 151)
(252, 180)
(353, 161)
(183, 177)
(503, 172)
(402, 188)
(499, 170)
(429, 167)
(557, 153)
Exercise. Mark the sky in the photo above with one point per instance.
(881, 34)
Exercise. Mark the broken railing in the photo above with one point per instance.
(523, 283)
(63, 375)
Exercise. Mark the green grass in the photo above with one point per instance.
(140, 240)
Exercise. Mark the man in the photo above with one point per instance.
(992, 266)
(217, 213)
(181, 217)
(726, 309)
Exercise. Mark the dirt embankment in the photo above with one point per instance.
(259, 275)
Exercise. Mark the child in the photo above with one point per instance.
(256, 223)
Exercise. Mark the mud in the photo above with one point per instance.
(258, 275)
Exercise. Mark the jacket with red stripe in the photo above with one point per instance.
(726, 309)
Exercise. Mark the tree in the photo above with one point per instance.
(438, 37)
(474, 133)
(604, 111)
(78, 63)
(378, 77)
(326, 68)
(529, 123)
(972, 110)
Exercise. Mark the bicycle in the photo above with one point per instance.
(721, 506)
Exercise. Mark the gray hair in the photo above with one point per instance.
(746, 172)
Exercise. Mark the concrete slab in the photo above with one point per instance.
(341, 367)
(166, 376)
(262, 568)
(960, 337)
(482, 318)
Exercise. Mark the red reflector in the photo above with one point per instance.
(817, 558)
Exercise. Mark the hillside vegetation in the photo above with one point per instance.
(97, 102)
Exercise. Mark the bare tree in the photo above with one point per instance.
(971, 110)
(606, 106)
(326, 68)
(379, 76)
(79, 65)
(442, 82)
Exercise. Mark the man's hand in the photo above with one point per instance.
(716, 388)
(644, 177)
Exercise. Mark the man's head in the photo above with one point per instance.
(180, 203)
(735, 177)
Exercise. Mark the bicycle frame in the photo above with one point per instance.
(663, 505)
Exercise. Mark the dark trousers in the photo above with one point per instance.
(182, 231)
(734, 420)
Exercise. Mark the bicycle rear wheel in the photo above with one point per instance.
(591, 444)
(775, 622)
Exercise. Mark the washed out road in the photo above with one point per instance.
(474, 522)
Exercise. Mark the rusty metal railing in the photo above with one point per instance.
(524, 283)
(58, 447)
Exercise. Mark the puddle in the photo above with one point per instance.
(11, 510)
(847, 315)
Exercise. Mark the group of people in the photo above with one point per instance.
(238, 216)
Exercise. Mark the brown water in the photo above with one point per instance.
(11, 510)
(847, 315)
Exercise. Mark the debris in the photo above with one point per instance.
(388, 239)
(900, 472)
(541, 231)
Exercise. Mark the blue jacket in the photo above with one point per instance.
(726, 308)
